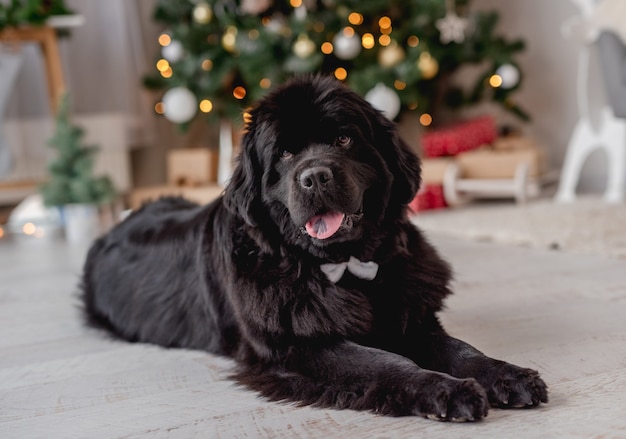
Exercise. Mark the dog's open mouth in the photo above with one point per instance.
(325, 225)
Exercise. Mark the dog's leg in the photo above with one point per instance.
(507, 385)
(352, 376)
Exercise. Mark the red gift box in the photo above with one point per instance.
(464, 136)
(430, 196)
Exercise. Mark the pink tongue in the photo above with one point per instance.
(324, 226)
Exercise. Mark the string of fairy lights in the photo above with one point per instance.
(179, 104)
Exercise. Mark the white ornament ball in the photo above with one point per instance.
(303, 47)
(510, 75)
(174, 51)
(275, 25)
(384, 99)
(180, 104)
(346, 47)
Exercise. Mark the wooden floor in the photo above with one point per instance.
(562, 314)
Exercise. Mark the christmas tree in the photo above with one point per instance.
(219, 56)
(20, 12)
(71, 172)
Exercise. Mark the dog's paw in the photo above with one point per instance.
(456, 400)
(517, 387)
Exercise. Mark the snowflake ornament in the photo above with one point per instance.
(451, 28)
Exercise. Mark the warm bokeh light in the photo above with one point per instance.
(384, 22)
(399, 85)
(341, 73)
(165, 40)
(207, 65)
(29, 228)
(426, 119)
(495, 81)
(229, 40)
(412, 106)
(168, 73)
(206, 106)
(1, 232)
(355, 18)
(295, 3)
(386, 30)
(413, 41)
(327, 48)
(162, 65)
(368, 41)
(384, 40)
(265, 83)
(427, 65)
(159, 108)
(239, 92)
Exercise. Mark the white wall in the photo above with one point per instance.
(549, 64)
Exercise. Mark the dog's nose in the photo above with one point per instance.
(316, 176)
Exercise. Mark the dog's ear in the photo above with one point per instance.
(401, 160)
(242, 195)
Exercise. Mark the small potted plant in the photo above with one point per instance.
(72, 186)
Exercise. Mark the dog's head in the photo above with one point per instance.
(321, 166)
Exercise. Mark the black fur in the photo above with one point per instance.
(241, 276)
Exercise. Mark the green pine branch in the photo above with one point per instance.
(32, 12)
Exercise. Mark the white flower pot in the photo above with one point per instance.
(82, 222)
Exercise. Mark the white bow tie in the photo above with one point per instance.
(363, 270)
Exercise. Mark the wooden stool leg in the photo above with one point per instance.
(54, 70)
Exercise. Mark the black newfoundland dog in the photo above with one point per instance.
(307, 271)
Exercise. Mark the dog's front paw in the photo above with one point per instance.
(455, 400)
(517, 387)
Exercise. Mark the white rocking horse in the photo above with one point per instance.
(602, 23)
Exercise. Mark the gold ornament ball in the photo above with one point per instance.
(391, 55)
(303, 47)
(229, 39)
(202, 13)
(427, 65)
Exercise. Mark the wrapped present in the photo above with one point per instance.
(464, 136)
(191, 166)
(430, 196)
(489, 163)
(510, 143)
(433, 169)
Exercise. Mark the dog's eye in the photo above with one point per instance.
(286, 155)
(343, 140)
